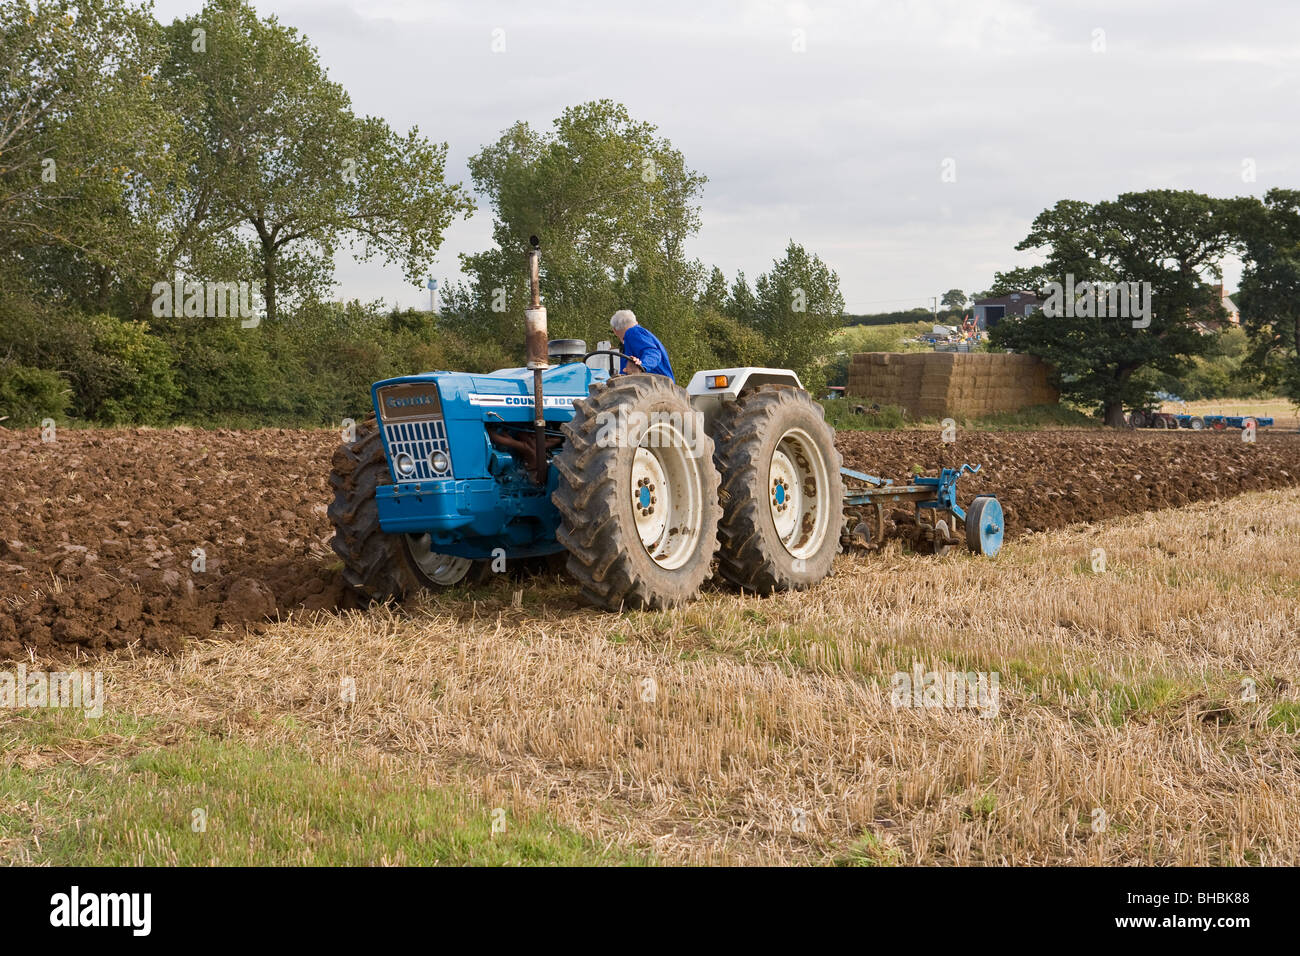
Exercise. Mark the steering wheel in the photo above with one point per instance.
(606, 352)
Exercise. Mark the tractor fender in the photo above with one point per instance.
(708, 397)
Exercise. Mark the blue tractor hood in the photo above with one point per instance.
(467, 402)
(507, 394)
(478, 496)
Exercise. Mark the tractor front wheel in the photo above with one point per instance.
(637, 495)
(782, 494)
(382, 566)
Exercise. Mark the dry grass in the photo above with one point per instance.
(771, 737)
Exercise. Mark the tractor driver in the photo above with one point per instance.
(644, 352)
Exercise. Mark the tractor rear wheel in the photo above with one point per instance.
(383, 566)
(637, 495)
(782, 495)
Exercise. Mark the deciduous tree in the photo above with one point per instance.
(284, 165)
(84, 128)
(610, 199)
(798, 307)
(1269, 297)
(1172, 239)
(954, 299)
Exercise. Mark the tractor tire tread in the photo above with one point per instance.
(605, 555)
(747, 559)
(374, 563)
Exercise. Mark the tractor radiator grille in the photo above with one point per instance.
(419, 440)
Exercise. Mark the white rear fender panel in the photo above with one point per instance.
(708, 400)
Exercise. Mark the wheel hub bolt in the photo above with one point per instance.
(779, 494)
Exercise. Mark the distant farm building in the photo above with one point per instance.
(1206, 327)
(989, 312)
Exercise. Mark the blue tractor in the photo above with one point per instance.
(647, 487)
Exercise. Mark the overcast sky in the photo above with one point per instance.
(842, 146)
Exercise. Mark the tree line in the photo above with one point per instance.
(138, 158)
(142, 161)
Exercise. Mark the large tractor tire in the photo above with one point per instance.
(782, 494)
(637, 495)
(383, 566)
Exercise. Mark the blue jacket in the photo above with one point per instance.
(641, 344)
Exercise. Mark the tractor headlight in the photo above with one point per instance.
(439, 462)
(405, 465)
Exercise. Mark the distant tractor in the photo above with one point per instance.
(1151, 418)
(1243, 422)
(643, 484)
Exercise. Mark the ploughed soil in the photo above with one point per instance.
(1058, 477)
(100, 530)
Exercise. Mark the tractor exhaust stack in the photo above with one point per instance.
(535, 344)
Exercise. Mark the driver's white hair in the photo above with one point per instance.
(622, 320)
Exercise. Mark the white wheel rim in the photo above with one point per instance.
(797, 484)
(442, 569)
(667, 496)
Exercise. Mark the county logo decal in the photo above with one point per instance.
(520, 401)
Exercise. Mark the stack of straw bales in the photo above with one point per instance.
(942, 384)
